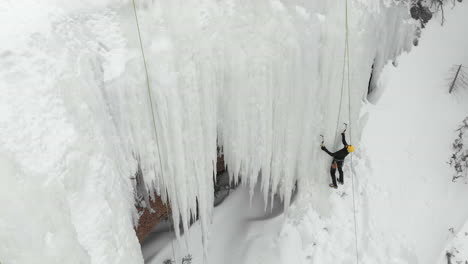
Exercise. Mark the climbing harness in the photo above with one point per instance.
(152, 112)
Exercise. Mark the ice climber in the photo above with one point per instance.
(338, 159)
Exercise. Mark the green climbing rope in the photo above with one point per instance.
(153, 114)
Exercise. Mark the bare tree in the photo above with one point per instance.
(423, 10)
(458, 78)
(439, 6)
(459, 159)
(449, 257)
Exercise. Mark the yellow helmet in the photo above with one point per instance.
(350, 148)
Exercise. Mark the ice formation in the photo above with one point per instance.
(261, 78)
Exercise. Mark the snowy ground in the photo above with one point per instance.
(407, 144)
(408, 208)
(236, 226)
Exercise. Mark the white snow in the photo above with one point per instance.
(457, 250)
(408, 209)
(65, 183)
(236, 228)
(262, 78)
(406, 200)
(408, 140)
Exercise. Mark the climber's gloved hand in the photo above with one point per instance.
(322, 147)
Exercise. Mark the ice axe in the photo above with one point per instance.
(346, 127)
(323, 140)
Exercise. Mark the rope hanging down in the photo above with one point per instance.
(350, 134)
(152, 108)
(346, 68)
(147, 83)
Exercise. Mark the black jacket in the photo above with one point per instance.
(340, 154)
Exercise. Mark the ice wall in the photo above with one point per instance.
(65, 160)
(262, 78)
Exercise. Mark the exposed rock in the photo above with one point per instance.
(420, 12)
(150, 217)
(157, 211)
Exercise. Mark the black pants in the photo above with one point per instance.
(339, 166)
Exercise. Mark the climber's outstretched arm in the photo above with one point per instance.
(326, 150)
(343, 139)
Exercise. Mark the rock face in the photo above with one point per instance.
(150, 216)
(421, 13)
(220, 167)
(152, 212)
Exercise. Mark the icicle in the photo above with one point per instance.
(259, 78)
